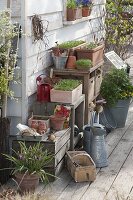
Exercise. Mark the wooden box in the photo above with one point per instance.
(66, 96)
(57, 148)
(38, 121)
(81, 166)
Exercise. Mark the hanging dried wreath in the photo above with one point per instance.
(39, 30)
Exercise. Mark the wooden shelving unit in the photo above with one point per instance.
(91, 80)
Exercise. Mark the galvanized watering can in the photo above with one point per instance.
(98, 147)
(94, 143)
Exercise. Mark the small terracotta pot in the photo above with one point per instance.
(57, 122)
(71, 62)
(85, 11)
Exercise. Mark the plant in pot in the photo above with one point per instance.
(71, 10)
(61, 117)
(28, 166)
(66, 91)
(86, 7)
(59, 57)
(93, 51)
(68, 47)
(117, 90)
(83, 64)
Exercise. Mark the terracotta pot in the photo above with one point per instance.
(71, 14)
(95, 55)
(71, 62)
(86, 11)
(27, 183)
(57, 122)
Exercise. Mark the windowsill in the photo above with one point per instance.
(83, 19)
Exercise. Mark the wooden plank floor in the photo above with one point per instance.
(115, 179)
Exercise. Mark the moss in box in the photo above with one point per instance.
(83, 64)
(67, 84)
(71, 44)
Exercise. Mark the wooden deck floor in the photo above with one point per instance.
(115, 179)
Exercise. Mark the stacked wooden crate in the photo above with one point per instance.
(57, 148)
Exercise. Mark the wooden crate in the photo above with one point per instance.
(81, 166)
(66, 96)
(37, 119)
(58, 148)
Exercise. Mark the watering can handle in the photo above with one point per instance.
(39, 78)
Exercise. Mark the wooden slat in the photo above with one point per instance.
(124, 181)
(107, 175)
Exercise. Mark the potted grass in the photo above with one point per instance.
(68, 48)
(83, 64)
(117, 90)
(93, 51)
(28, 166)
(66, 91)
(71, 10)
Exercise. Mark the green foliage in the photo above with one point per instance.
(118, 27)
(115, 86)
(70, 44)
(71, 4)
(4, 80)
(92, 45)
(83, 64)
(7, 57)
(67, 84)
(31, 160)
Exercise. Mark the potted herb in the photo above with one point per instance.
(117, 90)
(28, 165)
(86, 7)
(71, 10)
(68, 48)
(83, 64)
(66, 91)
(93, 51)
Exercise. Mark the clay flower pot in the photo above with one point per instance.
(71, 14)
(71, 62)
(27, 183)
(57, 122)
(86, 11)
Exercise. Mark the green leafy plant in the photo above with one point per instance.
(118, 27)
(92, 45)
(71, 4)
(70, 44)
(83, 64)
(7, 56)
(115, 86)
(67, 84)
(30, 160)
